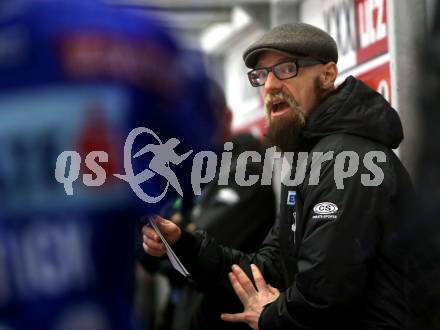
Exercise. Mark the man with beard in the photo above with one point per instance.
(330, 258)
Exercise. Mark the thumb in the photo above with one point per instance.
(164, 224)
(273, 290)
(169, 229)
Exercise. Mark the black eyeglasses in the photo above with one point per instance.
(284, 70)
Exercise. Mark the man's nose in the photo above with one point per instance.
(272, 83)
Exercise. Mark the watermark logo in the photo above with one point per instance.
(343, 165)
(68, 164)
(164, 154)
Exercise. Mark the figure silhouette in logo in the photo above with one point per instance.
(163, 154)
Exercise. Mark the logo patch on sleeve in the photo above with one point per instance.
(291, 198)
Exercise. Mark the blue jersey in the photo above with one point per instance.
(77, 81)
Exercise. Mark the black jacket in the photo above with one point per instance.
(336, 263)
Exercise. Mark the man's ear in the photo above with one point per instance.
(328, 75)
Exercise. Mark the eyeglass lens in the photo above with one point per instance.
(282, 71)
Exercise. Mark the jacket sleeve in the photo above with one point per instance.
(335, 249)
(209, 263)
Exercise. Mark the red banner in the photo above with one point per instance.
(372, 29)
(379, 79)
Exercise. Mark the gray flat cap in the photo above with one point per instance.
(297, 39)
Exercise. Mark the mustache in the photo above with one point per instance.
(293, 104)
(281, 96)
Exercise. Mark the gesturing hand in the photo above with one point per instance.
(253, 299)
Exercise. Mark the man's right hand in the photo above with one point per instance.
(151, 241)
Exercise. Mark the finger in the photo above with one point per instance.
(155, 245)
(258, 278)
(151, 234)
(244, 280)
(151, 252)
(238, 289)
(145, 229)
(239, 317)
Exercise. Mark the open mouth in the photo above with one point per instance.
(279, 107)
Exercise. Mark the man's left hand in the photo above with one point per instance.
(253, 299)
